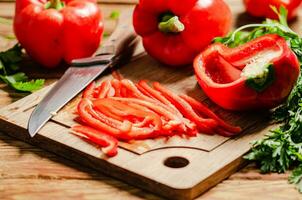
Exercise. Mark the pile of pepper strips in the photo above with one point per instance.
(122, 110)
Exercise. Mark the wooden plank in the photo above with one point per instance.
(27, 172)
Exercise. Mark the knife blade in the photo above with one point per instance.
(118, 50)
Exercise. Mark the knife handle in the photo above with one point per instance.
(121, 37)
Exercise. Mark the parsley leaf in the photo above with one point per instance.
(19, 82)
(9, 71)
(296, 178)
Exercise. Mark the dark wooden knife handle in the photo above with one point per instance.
(121, 37)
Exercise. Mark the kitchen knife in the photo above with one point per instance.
(118, 49)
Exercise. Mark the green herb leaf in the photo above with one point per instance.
(9, 71)
(10, 59)
(114, 15)
(19, 82)
(296, 178)
(28, 86)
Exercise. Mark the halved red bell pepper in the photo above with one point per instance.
(258, 74)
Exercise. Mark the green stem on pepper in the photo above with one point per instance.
(170, 24)
(55, 4)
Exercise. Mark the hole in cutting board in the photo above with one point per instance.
(176, 162)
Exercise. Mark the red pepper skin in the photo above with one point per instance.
(204, 125)
(89, 91)
(51, 36)
(218, 71)
(202, 20)
(261, 8)
(106, 141)
(196, 105)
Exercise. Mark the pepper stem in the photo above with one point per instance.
(55, 4)
(170, 24)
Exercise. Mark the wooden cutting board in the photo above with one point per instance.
(177, 168)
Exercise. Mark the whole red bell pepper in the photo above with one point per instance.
(54, 31)
(262, 8)
(258, 74)
(175, 31)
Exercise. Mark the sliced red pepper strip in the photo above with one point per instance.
(126, 110)
(169, 125)
(158, 108)
(155, 94)
(136, 93)
(142, 90)
(116, 84)
(106, 141)
(152, 93)
(204, 125)
(116, 75)
(106, 111)
(104, 89)
(151, 105)
(97, 124)
(196, 105)
(88, 92)
(123, 126)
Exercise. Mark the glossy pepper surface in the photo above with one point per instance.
(262, 8)
(258, 74)
(55, 31)
(175, 31)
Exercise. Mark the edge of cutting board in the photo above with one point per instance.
(108, 168)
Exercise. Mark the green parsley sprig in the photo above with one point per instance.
(10, 72)
(281, 149)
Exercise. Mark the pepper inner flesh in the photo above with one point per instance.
(222, 71)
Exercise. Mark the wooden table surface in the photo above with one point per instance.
(27, 172)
